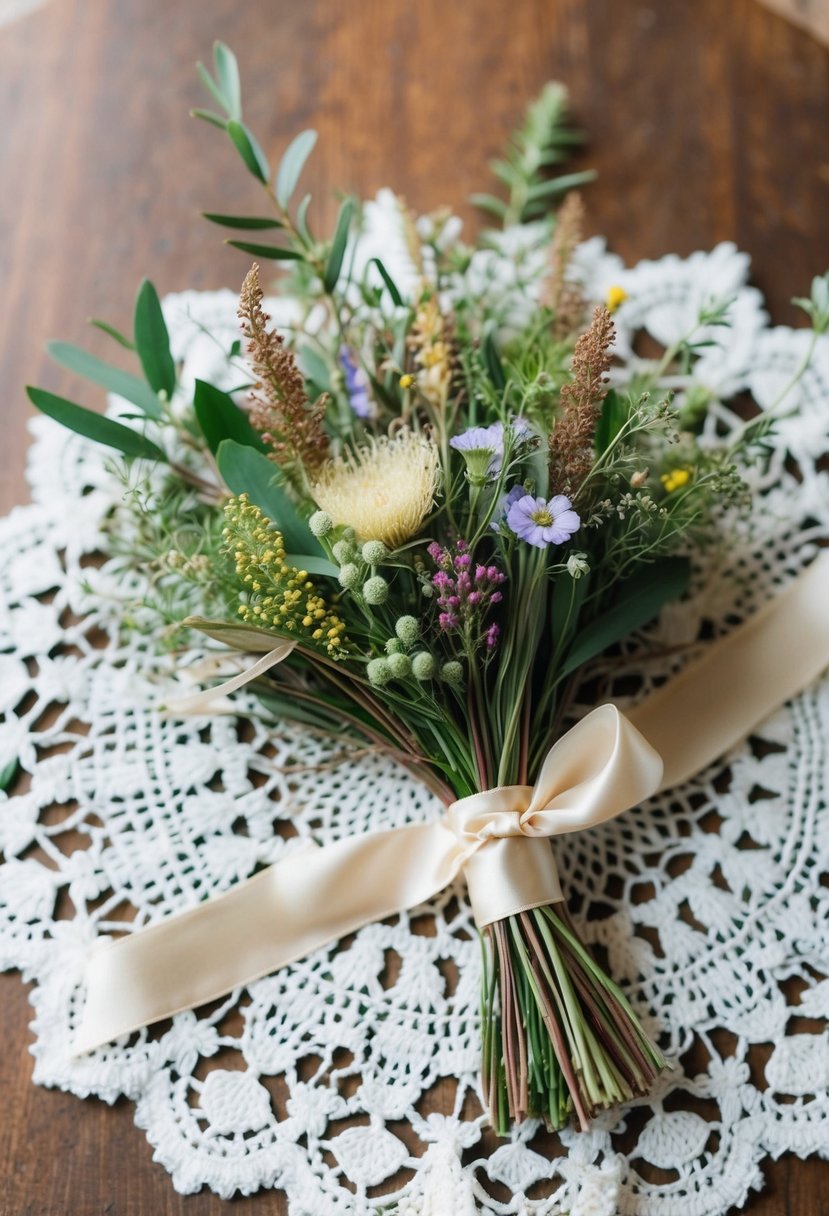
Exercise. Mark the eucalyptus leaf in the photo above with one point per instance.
(123, 384)
(94, 426)
(246, 471)
(228, 72)
(112, 332)
(292, 164)
(237, 636)
(273, 253)
(153, 342)
(640, 599)
(242, 221)
(302, 220)
(220, 418)
(312, 565)
(249, 150)
(335, 258)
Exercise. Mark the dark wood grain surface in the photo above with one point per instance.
(707, 120)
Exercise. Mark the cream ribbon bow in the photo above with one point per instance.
(500, 838)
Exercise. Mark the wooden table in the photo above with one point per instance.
(707, 121)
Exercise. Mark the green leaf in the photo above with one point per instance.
(396, 297)
(237, 636)
(560, 185)
(153, 342)
(314, 368)
(220, 418)
(94, 426)
(249, 150)
(212, 87)
(313, 565)
(335, 258)
(493, 363)
(112, 332)
(246, 471)
(611, 420)
(488, 202)
(227, 70)
(8, 774)
(505, 172)
(302, 220)
(273, 252)
(242, 221)
(640, 599)
(292, 164)
(111, 378)
(215, 120)
(568, 596)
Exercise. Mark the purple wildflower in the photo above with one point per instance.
(465, 591)
(492, 635)
(356, 384)
(480, 439)
(482, 447)
(543, 522)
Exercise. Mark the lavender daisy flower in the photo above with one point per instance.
(356, 384)
(543, 522)
(482, 448)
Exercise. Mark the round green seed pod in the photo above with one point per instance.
(394, 646)
(344, 551)
(349, 575)
(374, 552)
(407, 629)
(378, 672)
(375, 590)
(320, 523)
(423, 665)
(400, 665)
(452, 672)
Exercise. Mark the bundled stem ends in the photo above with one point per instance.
(559, 1037)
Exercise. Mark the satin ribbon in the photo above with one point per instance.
(499, 838)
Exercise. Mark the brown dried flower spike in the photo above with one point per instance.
(560, 295)
(571, 440)
(280, 407)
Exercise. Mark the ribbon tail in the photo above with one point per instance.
(204, 702)
(740, 680)
(302, 902)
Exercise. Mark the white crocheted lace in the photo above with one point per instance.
(350, 1081)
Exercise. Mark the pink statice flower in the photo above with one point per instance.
(542, 522)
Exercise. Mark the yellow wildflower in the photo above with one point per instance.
(430, 340)
(385, 491)
(616, 295)
(676, 479)
(406, 380)
(292, 602)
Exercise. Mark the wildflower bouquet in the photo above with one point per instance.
(430, 505)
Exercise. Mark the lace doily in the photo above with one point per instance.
(350, 1081)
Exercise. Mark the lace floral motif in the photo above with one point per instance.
(710, 903)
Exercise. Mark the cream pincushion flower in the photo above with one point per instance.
(385, 491)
